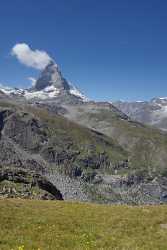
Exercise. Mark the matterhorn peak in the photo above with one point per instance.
(50, 86)
(51, 76)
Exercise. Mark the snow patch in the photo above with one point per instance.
(76, 92)
(9, 91)
(48, 92)
(163, 98)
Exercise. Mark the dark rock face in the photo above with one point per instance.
(51, 76)
(1, 121)
(44, 184)
(12, 155)
(29, 181)
(3, 115)
(25, 131)
(20, 132)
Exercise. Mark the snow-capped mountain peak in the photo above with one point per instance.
(51, 76)
(50, 85)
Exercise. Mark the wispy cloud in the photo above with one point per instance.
(32, 80)
(37, 59)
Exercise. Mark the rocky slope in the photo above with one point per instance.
(68, 155)
(81, 163)
(146, 146)
(87, 150)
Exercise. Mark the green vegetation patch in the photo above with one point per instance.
(50, 225)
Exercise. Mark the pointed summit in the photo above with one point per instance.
(51, 76)
(50, 86)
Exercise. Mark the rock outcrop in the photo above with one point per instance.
(18, 183)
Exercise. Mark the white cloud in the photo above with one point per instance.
(37, 59)
(32, 80)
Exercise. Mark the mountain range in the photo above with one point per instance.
(55, 143)
(153, 112)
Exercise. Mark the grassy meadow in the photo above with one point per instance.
(47, 225)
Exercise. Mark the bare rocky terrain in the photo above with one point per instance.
(81, 149)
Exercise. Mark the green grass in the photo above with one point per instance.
(64, 225)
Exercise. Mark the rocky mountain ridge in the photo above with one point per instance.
(89, 151)
(153, 112)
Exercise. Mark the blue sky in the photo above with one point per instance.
(110, 49)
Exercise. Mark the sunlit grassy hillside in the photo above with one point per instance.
(34, 225)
